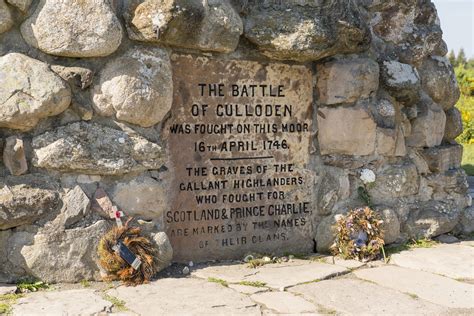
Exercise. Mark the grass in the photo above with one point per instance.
(468, 159)
(118, 303)
(413, 296)
(326, 311)
(255, 263)
(85, 283)
(6, 302)
(32, 286)
(301, 256)
(218, 281)
(253, 283)
(412, 244)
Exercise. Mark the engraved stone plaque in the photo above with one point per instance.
(239, 139)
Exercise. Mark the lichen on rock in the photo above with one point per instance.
(211, 25)
(29, 92)
(136, 87)
(89, 148)
(73, 28)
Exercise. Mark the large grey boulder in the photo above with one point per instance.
(449, 184)
(56, 255)
(443, 158)
(346, 80)
(326, 233)
(409, 29)
(439, 81)
(346, 130)
(390, 225)
(21, 5)
(6, 18)
(427, 129)
(306, 33)
(25, 199)
(144, 197)
(90, 148)
(395, 181)
(72, 28)
(14, 156)
(76, 206)
(466, 221)
(331, 187)
(29, 92)
(402, 80)
(136, 87)
(391, 142)
(453, 124)
(164, 248)
(431, 219)
(211, 25)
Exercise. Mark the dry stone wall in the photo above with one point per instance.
(223, 126)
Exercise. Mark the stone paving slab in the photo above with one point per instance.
(349, 264)
(454, 261)
(358, 297)
(7, 289)
(284, 303)
(468, 243)
(185, 296)
(70, 302)
(275, 276)
(245, 289)
(434, 288)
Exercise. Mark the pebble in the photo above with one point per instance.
(185, 270)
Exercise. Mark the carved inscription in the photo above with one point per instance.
(239, 138)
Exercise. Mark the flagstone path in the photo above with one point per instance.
(423, 281)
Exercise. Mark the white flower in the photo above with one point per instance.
(367, 176)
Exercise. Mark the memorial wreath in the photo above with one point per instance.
(127, 256)
(359, 235)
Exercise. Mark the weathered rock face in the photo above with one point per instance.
(443, 158)
(306, 33)
(94, 149)
(22, 5)
(72, 253)
(14, 156)
(466, 221)
(395, 181)
(136, 87)
(453, 124)
(76, 206)
(211, 25)
(439, 81)
(432, 219)
(333, 186)
(360, 74)
(73, 28)
(410, 29)
(427, 129)
(25, 199)
(390, 225)
(326, 233)
(144, 197)
(165, 251)
(345, 130)
(391, 142)
(222, 127)
(29, 91)
(6, 18)
(402, 80)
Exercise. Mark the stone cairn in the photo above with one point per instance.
(86, 89)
